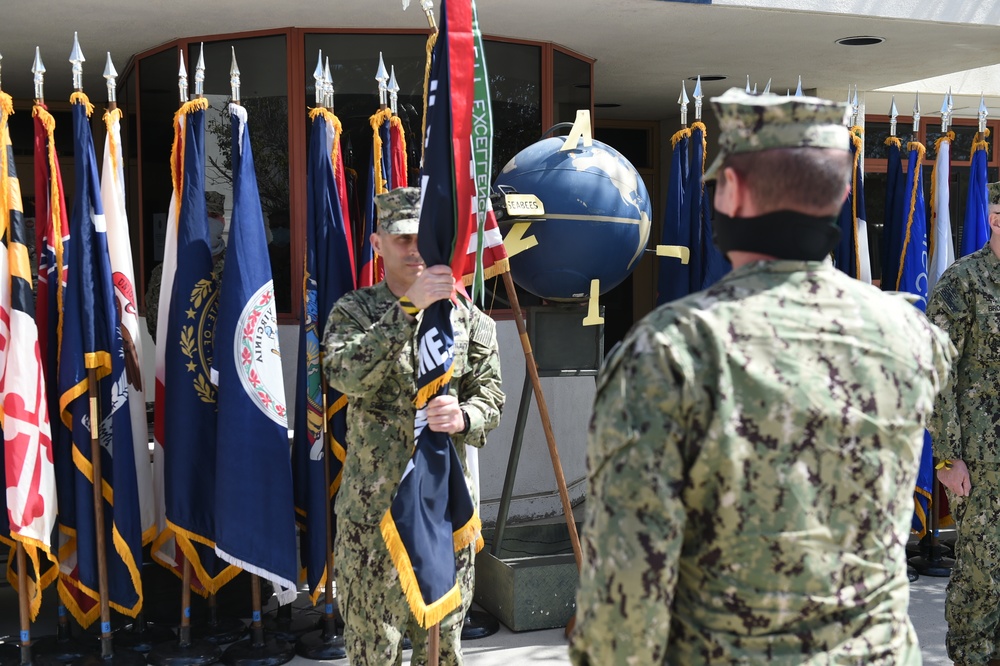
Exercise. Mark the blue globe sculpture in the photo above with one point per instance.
(596, 222)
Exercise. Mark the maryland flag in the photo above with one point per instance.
(851, 253)
(186, 424)
(432, 514)
(894, 217)
(255, 509)
(29, 505)
(942, 250)
(329, 274)
(976, 227)
(674, 280)
(123, 277)
(91, 351)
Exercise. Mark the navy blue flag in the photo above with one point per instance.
(674, 280)
(189, 411)
(432, 514)
(328, 276)
(912, 278)
(92, 343)
(712, 263)
(976, 228)
(894, 216)
(254, 503)
(692, 210)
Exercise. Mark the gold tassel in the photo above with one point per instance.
(894, 141)
(678, 135)
(431, 41)
(6, 104)
(82, 99)
(857, 140)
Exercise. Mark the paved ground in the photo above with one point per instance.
(548, 647)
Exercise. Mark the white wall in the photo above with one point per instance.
(942, 11)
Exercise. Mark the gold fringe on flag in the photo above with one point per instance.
(55, 211)
(376, 121)
(680, 134)
(704, 145)
(431, 41)
(81, 98)
(857, 140)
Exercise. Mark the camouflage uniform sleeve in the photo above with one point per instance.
(480, 391)
(358, 352)
(635, 519)
(948, 308)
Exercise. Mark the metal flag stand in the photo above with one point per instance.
(326, 643)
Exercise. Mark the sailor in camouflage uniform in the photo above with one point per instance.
(754, 446)
(371, 355)
(966, 303)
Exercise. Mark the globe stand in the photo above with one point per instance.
(258, 650)
(479, 624)
(218, 631)
(285, 626)
(141, 636)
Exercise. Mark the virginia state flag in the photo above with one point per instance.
(187, 425)
(255, 508)
(29, 503)
(123, 277)
(942, 252)
(328, 276)
(674, 279)
(976, 227)
(894, 215)
(432, 513)
(91, 352)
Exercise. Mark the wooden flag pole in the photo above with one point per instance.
(22, 595)
(434, 645)
(98, 482)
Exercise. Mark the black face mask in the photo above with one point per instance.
(784, 234)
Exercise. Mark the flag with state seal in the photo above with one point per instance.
(254, 503)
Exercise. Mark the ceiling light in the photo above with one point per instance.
(860, 41)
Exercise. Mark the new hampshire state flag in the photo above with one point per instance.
(255, 510)
(432, 514)
(92, 351)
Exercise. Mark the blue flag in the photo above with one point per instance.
(91, 353)
(255, 509)
(674, 280)
(912, 278)
(328, 276)
(845, 255)
(189, 438)
(692, 210)
(712, 264)
(432, 514)
(976, 229)
(894, 216)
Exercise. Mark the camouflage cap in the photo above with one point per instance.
(215, 203)
(399, 210)
(748, 123)
(993, 194)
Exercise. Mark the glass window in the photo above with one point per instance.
(515, 72)
(570, 87)
(264, 94)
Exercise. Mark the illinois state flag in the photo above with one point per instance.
(432, 514)
(123, 277)
(319, 446)
(255, 510)
(28, 505)
(92, 351)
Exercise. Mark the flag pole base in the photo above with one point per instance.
(55, 651)
(479, 624)
(195, 653)
(141, 636)
(284, 626)
(934, 564)
(270, 652)
(323, 644)
(119, 657)
(221, 631)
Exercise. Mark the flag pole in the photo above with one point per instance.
(22, 597)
